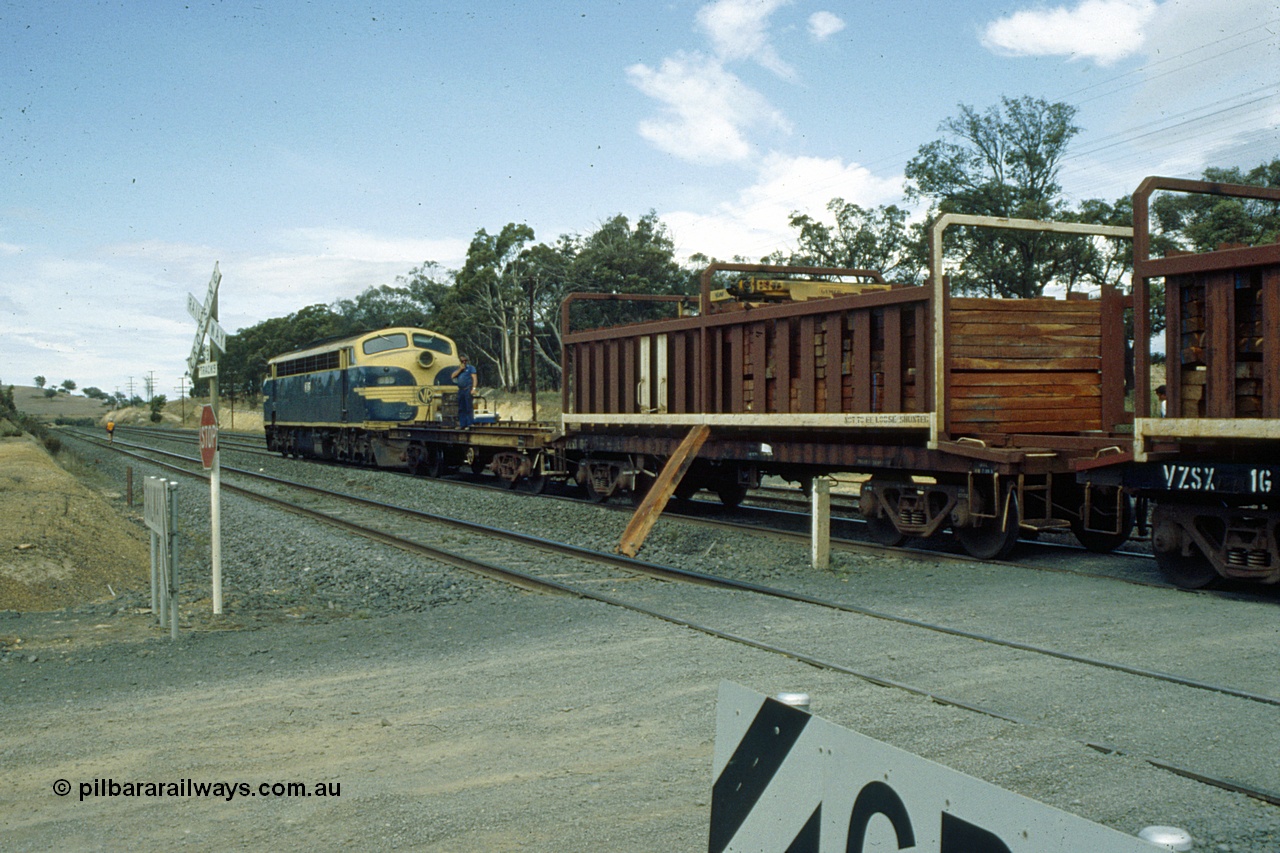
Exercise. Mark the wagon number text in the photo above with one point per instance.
(1201, 478)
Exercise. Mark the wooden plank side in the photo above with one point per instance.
(1010, 378)
(734, 367)
(1042, 364)
(1219, 344)
(807, 396)
(1270, 299)
(714, 370)
(1026, 349)
(679, 372)
(630, 356)
(612, 377)
(891, 400)
(1016, 306)
(923, 366)
(782, 366)
(1112, 353)
(1000, 331)
(832, 346)
(759, 367)
(1173, 288)
(860, 370)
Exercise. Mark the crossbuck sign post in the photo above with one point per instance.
(206, 317)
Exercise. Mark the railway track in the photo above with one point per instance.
(774, 511)
(1107, 705)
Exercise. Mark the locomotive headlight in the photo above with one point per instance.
(386, 380)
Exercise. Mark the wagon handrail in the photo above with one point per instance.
(1142, 272)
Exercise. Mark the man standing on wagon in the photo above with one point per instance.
(465, 378)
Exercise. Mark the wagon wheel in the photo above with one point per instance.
(991, 541)
(1188, 571)
(1103, 516)
(433, 466)
(883, 532)
(534, 484)
(686, 488)
(731, 494)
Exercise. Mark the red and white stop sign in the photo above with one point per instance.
(208, 436)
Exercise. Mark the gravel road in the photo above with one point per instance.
(457, 714)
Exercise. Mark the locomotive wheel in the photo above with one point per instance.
(990, 542)
(1099, 542)
(1188, 571)
(883, 532)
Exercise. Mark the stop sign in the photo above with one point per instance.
(208, 436)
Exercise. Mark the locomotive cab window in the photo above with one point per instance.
(383, 343)
(433, 343)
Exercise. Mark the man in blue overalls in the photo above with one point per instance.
(465, 378)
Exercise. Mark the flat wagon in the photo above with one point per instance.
(962, 413)
(1210, 463)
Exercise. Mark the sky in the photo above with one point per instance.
(316, 149)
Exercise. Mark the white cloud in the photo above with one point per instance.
(706, 107)
(123, 306)
(364, 246)
(739, 30)
(755, 222)
(1104, 31)
(823, 25)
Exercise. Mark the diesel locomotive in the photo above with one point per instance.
(337, 398)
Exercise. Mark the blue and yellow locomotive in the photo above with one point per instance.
(335, 398)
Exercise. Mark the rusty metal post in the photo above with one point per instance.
(128, 485)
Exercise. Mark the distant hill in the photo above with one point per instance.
(29, 399)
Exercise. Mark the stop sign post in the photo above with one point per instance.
(209, 458)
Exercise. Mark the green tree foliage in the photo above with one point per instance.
(487, 305)
(244, 364)
(1002, 162)
(94, 393)
(860, 239)
(620, 258)
(157, 405)
(406, 303)
(7, 407)
(1199, 223)
(40, 380)
(68, 385)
